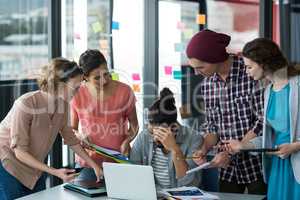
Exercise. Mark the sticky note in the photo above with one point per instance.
(168, 70)
(136, 88)
(179, 47)
(97, 27)
(77, 36)
(177, 75)
(188, 33)
(115, 76)
(103, 44)
(115, 25)
(180, 25)
(136, 77)
(201, 19)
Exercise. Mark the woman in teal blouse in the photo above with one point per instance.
(281, 130)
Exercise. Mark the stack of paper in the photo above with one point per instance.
(188, 193)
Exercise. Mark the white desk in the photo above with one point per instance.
(59, 193)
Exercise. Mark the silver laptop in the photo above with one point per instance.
(128, 181)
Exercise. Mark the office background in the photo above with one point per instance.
(143, 40)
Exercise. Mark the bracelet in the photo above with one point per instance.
(179, 158)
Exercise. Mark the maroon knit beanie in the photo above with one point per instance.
(208, 46)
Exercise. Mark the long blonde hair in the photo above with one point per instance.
(57, 71)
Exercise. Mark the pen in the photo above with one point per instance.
(188, 157)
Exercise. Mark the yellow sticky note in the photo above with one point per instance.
(136, 88)
(114, 76)
(201, 19)
(97, 27)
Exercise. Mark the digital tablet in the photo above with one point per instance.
(89, 184)
(262, 150)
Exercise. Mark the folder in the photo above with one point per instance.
(109, 153)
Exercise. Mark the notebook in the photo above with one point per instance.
(87, 188)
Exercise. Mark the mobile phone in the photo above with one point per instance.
(77, 170)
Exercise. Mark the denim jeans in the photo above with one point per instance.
(11, 188)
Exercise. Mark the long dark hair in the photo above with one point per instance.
(91, 59)
(268, 55)
(163, 110)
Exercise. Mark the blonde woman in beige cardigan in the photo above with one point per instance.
(30, 128)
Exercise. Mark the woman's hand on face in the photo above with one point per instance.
(165, 137)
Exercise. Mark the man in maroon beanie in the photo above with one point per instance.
(234, 110)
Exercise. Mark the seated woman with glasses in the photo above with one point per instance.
(166, 145)
(103, 111)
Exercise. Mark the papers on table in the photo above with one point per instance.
(187, 193)
(203, 166)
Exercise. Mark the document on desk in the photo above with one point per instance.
(188, 193)
(203, 166)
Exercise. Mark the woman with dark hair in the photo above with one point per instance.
(30, 128)
(281, 130)
(165, 144)
(103, 111)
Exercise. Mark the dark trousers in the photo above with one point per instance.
(257, 187)
(11, 188)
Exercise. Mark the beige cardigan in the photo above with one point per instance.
(28, 126)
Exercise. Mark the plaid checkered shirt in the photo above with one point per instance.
(234, 107)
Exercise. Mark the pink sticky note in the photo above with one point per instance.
(180, 25)
(77, 36)
(136, 77)
(168, 70)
